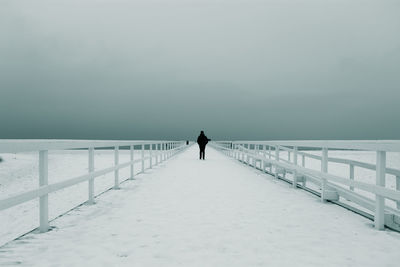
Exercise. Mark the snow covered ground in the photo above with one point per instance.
(19, 173)
(216, 212)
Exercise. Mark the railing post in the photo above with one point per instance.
(132, 148)
(254, 156)
(142, 158)
(398, 189)
(150, 155)
(156, 152)
(91, 179)
(324, 160)
(159, 153)
(351, 176)
(116, 172)
(263, 147)
(243, 156)
(256, 153)
(303, 161)
(379, 218)
(43, 200)
(324, 169)
(277, 159)
(277, 153)
(163, 152)
(247, 154)
(295, 163)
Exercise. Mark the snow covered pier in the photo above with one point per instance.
(216, 212)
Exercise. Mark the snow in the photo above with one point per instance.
(19, 173)
(217, 212)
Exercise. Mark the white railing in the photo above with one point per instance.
(330, 187)
(157, 151)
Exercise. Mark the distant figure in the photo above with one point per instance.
(187, 142)
(202, 140)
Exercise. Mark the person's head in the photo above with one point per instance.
(201, 132)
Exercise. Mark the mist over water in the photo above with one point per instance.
(102, 69)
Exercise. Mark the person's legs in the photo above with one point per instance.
(202, 152)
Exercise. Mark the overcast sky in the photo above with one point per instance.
(145, 69)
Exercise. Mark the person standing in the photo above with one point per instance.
(202, 140)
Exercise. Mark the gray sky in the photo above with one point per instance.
(145, 69)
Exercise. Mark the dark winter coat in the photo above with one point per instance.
(202, 140)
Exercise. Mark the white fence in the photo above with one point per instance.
(157, 151)
(266, 154)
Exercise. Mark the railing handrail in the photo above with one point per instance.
(360, 164)
(18, 145)
(356, 163)
(374, 145)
